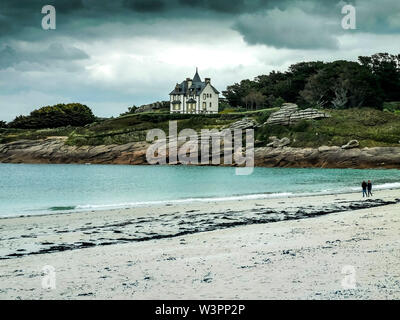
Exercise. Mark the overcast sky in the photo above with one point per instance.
(113, 54)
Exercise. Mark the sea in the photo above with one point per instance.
(28, 189)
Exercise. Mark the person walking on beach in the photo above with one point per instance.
(364, 189)
(369, 186)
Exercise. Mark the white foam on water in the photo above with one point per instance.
(188, 200)
(127, 205)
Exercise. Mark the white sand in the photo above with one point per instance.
(297, 259)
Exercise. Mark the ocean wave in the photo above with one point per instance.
(97, 207)
(187, 200)
(135, 204)
(384, 186)
(392, 185)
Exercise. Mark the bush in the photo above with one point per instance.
(60, 115)
(301, 126)
(392, 107)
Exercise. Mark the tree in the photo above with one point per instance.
(235, 93)
(316, 91)
(60, 115)
(340, 89)
(338, 84)
(343, 84)
(253, 100)
(3, 124)
(386, 68)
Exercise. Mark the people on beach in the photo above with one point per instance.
(369, 186)
(364, 189)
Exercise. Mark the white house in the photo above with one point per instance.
(194, 96)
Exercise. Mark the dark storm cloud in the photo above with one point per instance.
(296, 24)
(282, 29)
(146, 6)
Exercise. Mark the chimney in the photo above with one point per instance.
(208, 80)
(189, 81)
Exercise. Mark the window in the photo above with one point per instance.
(210, 105)
(204, 105)
(191, 107)
(210, 95)
(204, 96)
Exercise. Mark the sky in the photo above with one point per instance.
(111, 55)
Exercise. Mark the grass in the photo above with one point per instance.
(369, 126)
(9, 135)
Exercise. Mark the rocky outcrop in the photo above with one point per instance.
(278, 143)
(243, 124)
(153, 107)
(290, 114)
(351, 145)
(54, 150)
(328, 157)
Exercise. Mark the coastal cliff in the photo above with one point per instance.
(55, 151)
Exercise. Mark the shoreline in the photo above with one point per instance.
(91, 228)
(53, 150)
(286, 259)
(191, 201)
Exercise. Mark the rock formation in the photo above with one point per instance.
(290, 113)
(54, 150)
(153, 106)
(278, 143)
(245, 123)
(351, 145)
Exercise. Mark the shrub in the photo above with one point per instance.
(392, 107)
(60, 115)
(301, 126)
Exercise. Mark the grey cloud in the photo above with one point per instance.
(10, 57)
(380, 17)
(289, 29)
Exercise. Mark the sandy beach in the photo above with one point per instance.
(285, 248)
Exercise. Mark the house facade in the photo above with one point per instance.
(194, 96)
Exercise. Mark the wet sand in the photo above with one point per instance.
(287, 248)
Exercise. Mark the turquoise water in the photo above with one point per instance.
(38, 189)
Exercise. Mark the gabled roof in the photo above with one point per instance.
(212, 87)
(196, 88)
